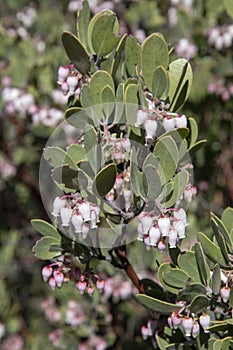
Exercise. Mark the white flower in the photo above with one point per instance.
(172, 238)
(85, 230)
(164, 225)
(179, 226)
(150, 126)
(63, 73)
(147, 222)
(204, 322)
(196, 329)
(187, 323)
(141, 117)
(57, 205)
(72, 82)
(181, 121)
(169, 123)
(85, 210)
(154, 235)
(66, 214)
(77, 222)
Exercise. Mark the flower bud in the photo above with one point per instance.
(181, 121)
(188, 193)
(196, 329)
(93, 219)
(52, 283)
(180, 214)
(126, 144)
(141, 117)
(161, 246)
(59, 278)
(176, 320)
(154, 235)
(164, 225)
(127, 195)
(72, 82)
(150, 126)
(85, 210)
(57, 205)
(90, 290)
(63, 73)
(169, 123)
(147, 222)
(100, 285)
(145, 332)
(66, 214)
(81, 286)
(225, 293)
(172, 238)
(77, 222)
(46, 273)
(118, 182)
(65, 88)
(179, 226)
(204, 322)
(187, 323)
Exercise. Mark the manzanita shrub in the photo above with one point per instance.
(121, 171)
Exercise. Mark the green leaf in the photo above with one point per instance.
(211, 250)
(191, 291)
(180, 182)
(99, 81)
(83, 19)
(160, 83)
(223, 230)
(76, 52)
(180, 77)
(76, 153)
(42, 248)
(132, 55)
(201, 263)
(216, 280)
(76, 117)
(57, 156)
(151, 182)
(196, 146)
(156, 305)
(176, 278)
(66, 178)
(134, 172)
(220, 239)
(45, 228)
(187, 262)
(131, 106)
(227, 218)
(118, 55)
(105, 180)
(194, 131)
(86, 97)
(154, 53)
(217, 345)
(163, 269)
(108, 100)
(231, 297)
(104, 36)
(199, 304)
(166, 151)
(229, 7)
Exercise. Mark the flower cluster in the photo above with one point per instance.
(70, 80)
(190, 324)
(7, 169)
(150, 120)
(116, 148)
(74, 211)
(222, 89)
(220, 37)
(155, 229)
(184, 48)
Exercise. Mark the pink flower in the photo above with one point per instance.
(47, 273)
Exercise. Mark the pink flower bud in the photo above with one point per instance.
(188, 193)
(187, 323)
(72, 82)
(147, 222)
(100, 285)
(90, 290)
(225, 293)
(196, 329)
(85, 210)
(169, 123)
(181, 121)
(180, 214)
(161, 246)
(81, 286)
(150, 126)
(154, 235)
(47, 272)
(141, 117)
(52, 283)
(176, 320)
(145, 332)
(57, 205)
(66, 214)
(77, 222)
(96, 208)
(59, 278)
(204, 322)
(179, 226)
(118, 182)
(65, 88)
(164, 225)
(63, 73)
(85, 230)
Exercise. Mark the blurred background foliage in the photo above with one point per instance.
(31, 315)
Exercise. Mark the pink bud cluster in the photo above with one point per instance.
(184, 48)
(86, 284)
(190, 325)
(70, 80)
(173, 121)
(156, 230)
(116, 148)
(222, 89)
(220, 37)
(77, 213)
(54, 275)
(147, 119)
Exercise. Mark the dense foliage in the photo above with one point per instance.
(109, 67)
